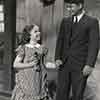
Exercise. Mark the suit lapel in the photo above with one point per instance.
(77, 27)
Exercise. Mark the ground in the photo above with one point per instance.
(93, 84)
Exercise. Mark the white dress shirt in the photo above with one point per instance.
(79, 16)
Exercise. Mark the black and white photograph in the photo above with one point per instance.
(49, 50)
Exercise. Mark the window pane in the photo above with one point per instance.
(2, 27)
(1, 7)
(1, 16)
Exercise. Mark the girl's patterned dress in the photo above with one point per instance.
(29, 81)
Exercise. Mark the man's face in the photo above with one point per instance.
(73, 8)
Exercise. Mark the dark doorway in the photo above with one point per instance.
(7, 42)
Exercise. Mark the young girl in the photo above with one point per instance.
(28, 66)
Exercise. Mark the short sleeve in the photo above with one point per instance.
(20, 51)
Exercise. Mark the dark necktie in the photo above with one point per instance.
(73, 25)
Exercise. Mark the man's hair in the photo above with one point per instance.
(74, 1)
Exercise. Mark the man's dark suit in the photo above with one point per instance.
(77, 46)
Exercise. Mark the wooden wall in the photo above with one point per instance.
(48, 18)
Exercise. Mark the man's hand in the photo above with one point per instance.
(58, 63)
(87, 70)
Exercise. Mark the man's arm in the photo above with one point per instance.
(93, 45)
(59, 45)
(59, 42)
(93, 48)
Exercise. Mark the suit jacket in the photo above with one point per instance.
(82, 47)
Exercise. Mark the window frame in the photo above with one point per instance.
(2, 21)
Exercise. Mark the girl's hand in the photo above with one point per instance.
(35, 66)
(34, 63)
(44, 50)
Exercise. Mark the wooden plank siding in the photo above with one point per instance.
(48, 18)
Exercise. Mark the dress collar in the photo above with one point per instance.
(37, 45)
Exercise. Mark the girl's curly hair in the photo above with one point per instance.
(25, 38)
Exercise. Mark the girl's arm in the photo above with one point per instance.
(18, 64)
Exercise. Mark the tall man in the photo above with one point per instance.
(76, 51)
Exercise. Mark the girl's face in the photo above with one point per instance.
(35, 33)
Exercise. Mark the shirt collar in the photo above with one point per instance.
(79, 16)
